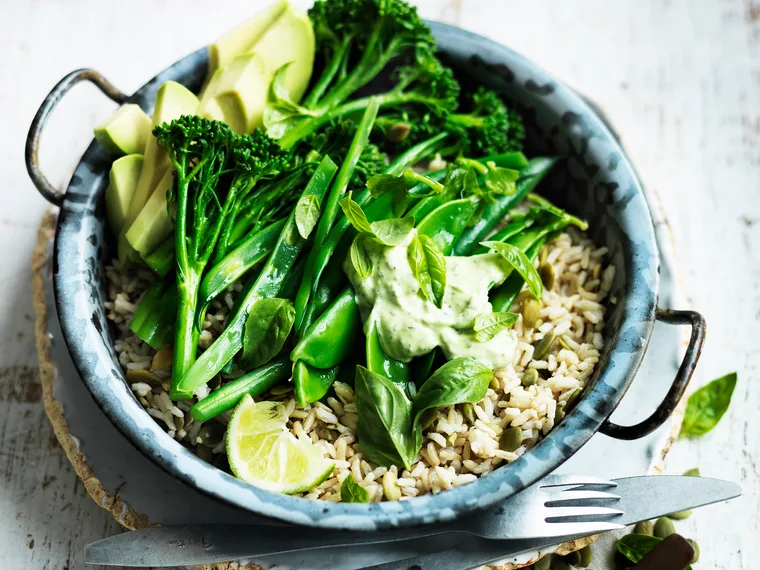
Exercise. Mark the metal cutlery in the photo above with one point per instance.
(546, 513)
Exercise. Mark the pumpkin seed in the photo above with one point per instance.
(559, 564)
(530, 312)
(546, 272)
(680, 515)
(494, 384)
(542, 346)
(573, 558)
(469, 412)
(204, 452)
(644, 527)
(398, 132)
(211, 433)
(544, 563)
(529, 377)
(693, 472)
(563, 343)
(573, 398)
(511, 439)
(664, 527)
(163, 359)
(695, 546)
(586, 556)
(134, 376)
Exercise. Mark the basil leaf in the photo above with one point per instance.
(393, 230)
(380, 184)
(707, 405)
(384, 420)
(307, 214)
(355, 215)
(352, 492)
(383, 183)
(488, 325)
(456, 382)
(501, 181)
(461, 180)
(517, 259)
(360, 258)
(266, 329)
(429, 267)
(399, 203)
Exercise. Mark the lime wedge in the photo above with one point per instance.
(262, 452)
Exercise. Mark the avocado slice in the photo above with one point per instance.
(152, 225)
(241, 39)
(208, 107)
(172, 100)
(125, 172)
(290, 40)
(243, 92)
(124, 132)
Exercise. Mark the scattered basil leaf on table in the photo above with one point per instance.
(385, 420)
(266, 329)
(353, 492)
(360, 258)
(488, 325)
(501, 181)
(707, 405)
(635, 546)
(459, 381)
(428, 265)
(307, 214)
(517, 259)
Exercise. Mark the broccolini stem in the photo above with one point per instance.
(329, 73)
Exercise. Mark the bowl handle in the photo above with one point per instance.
(40, 119)
(680, 383)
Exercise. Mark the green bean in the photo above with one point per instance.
(254, 383)
(250, 252)
(161, 261)
(312, 384)
(292, 281)
(267, 284)
(330, 339)
(495, 212)
(330, 209)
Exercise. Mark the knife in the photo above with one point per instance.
(642, 498)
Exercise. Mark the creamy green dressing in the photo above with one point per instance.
(409, 325)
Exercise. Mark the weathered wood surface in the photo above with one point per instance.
(680, 80)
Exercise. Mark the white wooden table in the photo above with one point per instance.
(680, 79)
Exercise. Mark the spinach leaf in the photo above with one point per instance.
(385, 420)
(636, 546)
(266, 329)
(352, 492)
(360, 258)
(488, 325)
(517, 259)
(307, 214)
(501, 181)
(355, 215)
(707, 405)
(429, 268)
(458, 381)
(388, 232)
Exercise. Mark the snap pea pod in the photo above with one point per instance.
(236, 263)
(268, 284)
(380, 363)
(512, 229)
(312, 384)
(421, 367)
(330, 209)
(255, 383)
(330, 339)
(495, 212)
(162, 260)
(153, 321)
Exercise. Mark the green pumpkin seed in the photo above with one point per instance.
(542, 346)
(204, 452)
(664, 527)
(644, 527)
(693, 472)
(529, 377)
(134, 376)
(573, 398)
(586, 556)
(544, 563)
(546, 272)
(211, 433)
(573, 558)
(530, 312)
(695, 546)
(469, 413)
(542, 256)
(559, 564)
(494, 384)
(680, 515)
(163, 359)
(398, 132)
(511, 439)
(179, 423)
(428, 417)
(564, 344)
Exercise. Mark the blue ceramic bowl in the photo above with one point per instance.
(594, 180)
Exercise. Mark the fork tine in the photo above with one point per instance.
(580, 528)
(560, 512)
(561, 480)
(580, 495)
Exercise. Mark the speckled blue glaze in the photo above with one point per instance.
(594, 180)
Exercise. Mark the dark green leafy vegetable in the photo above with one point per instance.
(352, 492)
(520, 262)
(429, 268)
(707, 405)
(487, 326)
(266, 329)
(385, 420)
(307, 214)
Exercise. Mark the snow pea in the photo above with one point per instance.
(380, 363)
(312, 384)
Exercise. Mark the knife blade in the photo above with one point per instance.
(642, 498)
(662, 495)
